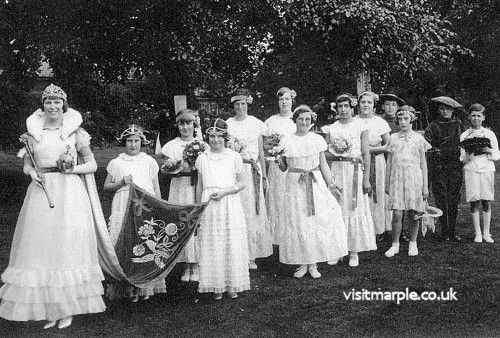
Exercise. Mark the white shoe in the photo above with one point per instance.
(50, 324)
(135, 299)
(353, 260)
(146, 297)
(195, 275)
(217, 296)
(487, 238)
(65, 322)
(252, 265)
(393, 250)
(232, 295)
(412, 249)
(333, 262)
(300, 271)
(313, 271)
(186, 275)
(478, 239)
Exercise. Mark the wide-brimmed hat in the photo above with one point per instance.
(391, 97)
(447, 101)
(242, 94)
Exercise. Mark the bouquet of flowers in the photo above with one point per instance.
(171, 166)
(66, 160)
(240, 147)
(340, 146)
(192, 151)
(272, 143)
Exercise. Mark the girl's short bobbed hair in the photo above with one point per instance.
(65, 103)
(218, 126)
(371, 94)
(406, 109)
(347, 97)
(303, 108)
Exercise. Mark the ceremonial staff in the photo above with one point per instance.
(29, 149)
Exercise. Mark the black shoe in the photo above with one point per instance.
(403, 238)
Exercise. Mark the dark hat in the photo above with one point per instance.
(447, 101)
(391, 97)
(241, 94)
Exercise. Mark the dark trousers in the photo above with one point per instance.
(446, 183)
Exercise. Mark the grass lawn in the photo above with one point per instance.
(280, 305)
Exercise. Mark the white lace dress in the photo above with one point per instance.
(275, 197)
(248, 132)
(355, 204)
(53, 270)
(182, 192)
(222, 233)
(143, 169)
(308, 239)
(381, 214)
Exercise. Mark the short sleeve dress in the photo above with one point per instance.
(354, 203)
(309, 238)
(281, 125)
(182, 192)
(223, 233)
(406, 181)
(377, 127)
(143, 169)
(248, 132)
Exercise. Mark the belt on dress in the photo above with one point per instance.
(373, 177)
(193, 174)
(307, 177)
(49, 170)
(357, 162)
(256, 176)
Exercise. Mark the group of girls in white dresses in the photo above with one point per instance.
(313, 212)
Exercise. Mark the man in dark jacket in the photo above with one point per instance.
(445, 168)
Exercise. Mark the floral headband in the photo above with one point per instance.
(133, 129)
(344, 97)
(284, 90)
(411, 113)
(369, 93)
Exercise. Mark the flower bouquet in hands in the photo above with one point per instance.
(240, 147)
(340, 146)
(276, 152)
(192, 151)
(271, 149)
(171, 166)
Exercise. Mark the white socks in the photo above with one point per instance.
(477, 226)
(486, 231)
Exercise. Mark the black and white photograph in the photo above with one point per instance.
(249, 168)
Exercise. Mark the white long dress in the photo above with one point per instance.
(275, 196)
(223, 235)
(248, 132)
(308, 239)
(355, 204)
(377, 127)
(53, 270)
(182, 192)
(143, 169)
